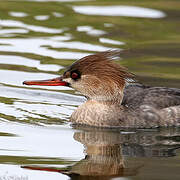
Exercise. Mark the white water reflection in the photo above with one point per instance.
(49, 111)
(10, 110)
(90, 30)
(14, 172)
(41, 96)
(60, 38)
(38, 141)
(79, 45)
(17, 60)
(18, 14)
(16, 78)
(96, 32)
(41, 17)
(110, 41)
(57, 14)
(41, 105)
(108, 25)
(13, 23)
(37, 46)
(84, 28)
(38, 104)
(130, 11)
(4, 32)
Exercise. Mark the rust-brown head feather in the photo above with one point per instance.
(101, 65)
(99, 77)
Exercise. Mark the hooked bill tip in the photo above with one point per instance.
(24, 83)
(28, 83)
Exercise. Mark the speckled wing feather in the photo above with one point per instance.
(157, 97)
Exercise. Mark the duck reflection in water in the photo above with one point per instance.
(113, 153)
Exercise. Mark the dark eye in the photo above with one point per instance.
(75, 75)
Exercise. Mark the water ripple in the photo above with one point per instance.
(130, 11)
(18, 60)
(18, 14)
(37, 46)
(13, 23)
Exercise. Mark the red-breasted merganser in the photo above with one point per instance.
(112, 99)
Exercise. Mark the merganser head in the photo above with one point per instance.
(95, 76)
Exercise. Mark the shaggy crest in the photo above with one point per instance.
(102, 66)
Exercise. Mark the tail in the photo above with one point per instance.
(171, 116)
